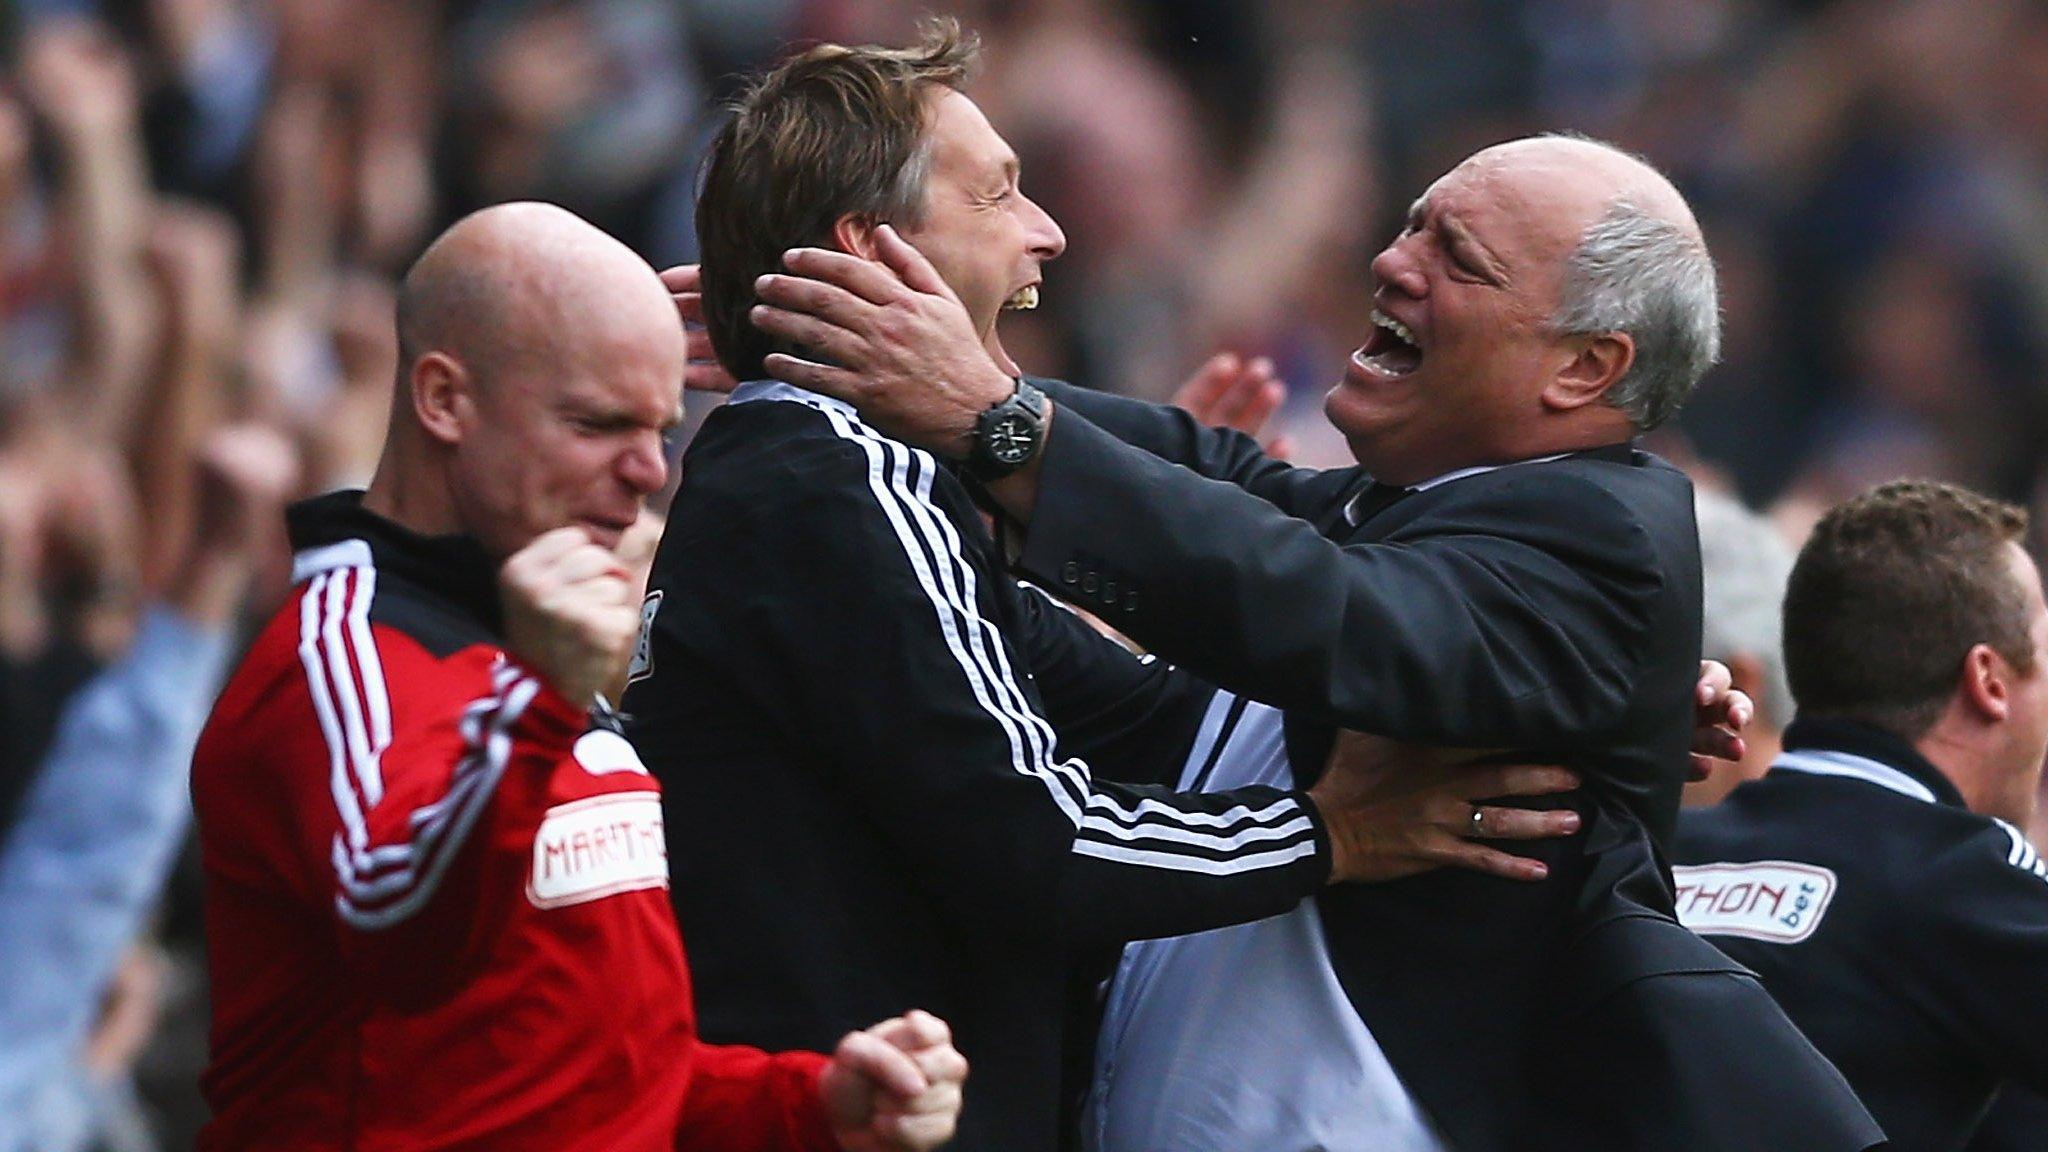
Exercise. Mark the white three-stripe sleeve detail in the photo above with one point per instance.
(346, 801)
(1215, 841)
(989, 648)
(376, 699)
(345, 678)
(2022, 854)
(1284, 806)
(442, 836)
(936, 554)
(952, 617)
(1177, 862)
(335, 614)
(984, 646)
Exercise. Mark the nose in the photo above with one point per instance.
(643, 467)
(1042, 232)
(1396, 268)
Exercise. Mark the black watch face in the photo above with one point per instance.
(1010, 438)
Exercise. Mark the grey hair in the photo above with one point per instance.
(1746, 564)
(1653, 279)
(903, 203)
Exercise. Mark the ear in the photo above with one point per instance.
(854, 234)
(1986, 688)
(443, 399)
(1599, 364)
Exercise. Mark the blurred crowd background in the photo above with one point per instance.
(204, 205)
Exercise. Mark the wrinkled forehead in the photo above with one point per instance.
(1532, 202)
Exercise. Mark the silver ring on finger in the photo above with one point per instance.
(1478, 829)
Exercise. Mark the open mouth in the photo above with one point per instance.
(1022, 300)
(1391, 350)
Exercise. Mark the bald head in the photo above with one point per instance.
(1595, 174)
(513, 285)
(1633, 260)
(541, 363)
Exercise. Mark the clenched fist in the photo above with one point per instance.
(895, 1087)
(571, 611)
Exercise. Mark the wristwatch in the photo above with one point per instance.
(1008, 435)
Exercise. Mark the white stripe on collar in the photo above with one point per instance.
(777, 390)
(1351, 506)
(327, 557)
(1823, 763)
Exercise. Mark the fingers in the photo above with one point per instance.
(1198, 397)
(916, 1028)
(703, 372)
(909, 263)
(1715, 681)
(808, 331)
(548, 547)
(1523, 823)
(1493, 862)
(883, 1064)
(708, 377)
(811, 375)
(1226, 392)
(1740, 710)
(925, 1129)
(827, 301)
(873, 283)
(1717, 741)
(1252, 398)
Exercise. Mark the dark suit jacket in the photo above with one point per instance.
(1547, 608)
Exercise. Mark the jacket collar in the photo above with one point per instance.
(336, 531)
(1813, 744)
(1355, 511)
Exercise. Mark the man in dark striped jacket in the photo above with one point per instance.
(885, 763)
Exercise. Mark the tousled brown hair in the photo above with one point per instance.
(1889, 595)
(830, 132)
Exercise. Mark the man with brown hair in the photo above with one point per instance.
(1876, 877)
(892, 776)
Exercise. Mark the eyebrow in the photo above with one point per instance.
(1463, 240)
(615, 418)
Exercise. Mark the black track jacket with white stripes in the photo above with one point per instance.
(847, 701)
(1906, 935)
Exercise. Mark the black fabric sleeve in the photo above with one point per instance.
(868, 607)
(1981, 960)
(1217, 453)
(1514, 614)
(1132, 717)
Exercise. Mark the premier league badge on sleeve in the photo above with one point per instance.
(643, 652)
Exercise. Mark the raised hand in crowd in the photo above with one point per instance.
(24, 625)
(895, 1087)
(79, 82)
(194, 256)
(245, 473)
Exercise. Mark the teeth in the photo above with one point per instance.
(1394, 326)
(1024, 300)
